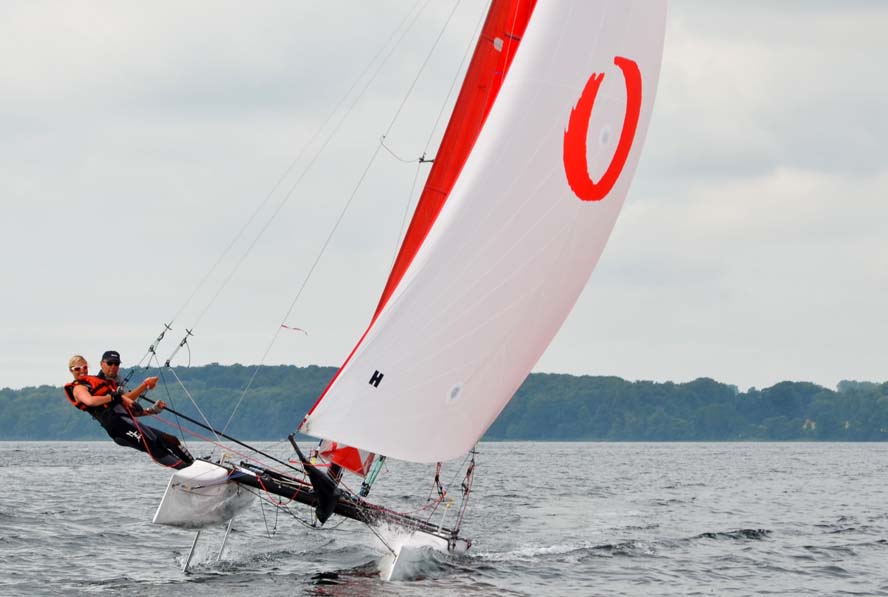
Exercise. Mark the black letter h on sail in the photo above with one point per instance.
(377, 377)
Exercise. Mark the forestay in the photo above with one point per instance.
(498, 268)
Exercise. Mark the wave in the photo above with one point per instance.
(738, 535)
(629, 548)
(581, 549)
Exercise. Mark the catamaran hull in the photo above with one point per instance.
(412, 551)
(200, 496)
(208, 494)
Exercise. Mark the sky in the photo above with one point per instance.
(145, 146)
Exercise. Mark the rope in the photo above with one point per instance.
(422, 160)
(280, 506)
(397, 157)
(218, 443)
(275, 501)
(442, 491)
(466, 487)
(142, 437)
(436, 484)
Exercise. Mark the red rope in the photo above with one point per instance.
(220, 445)
(142, 438)
(274, 501)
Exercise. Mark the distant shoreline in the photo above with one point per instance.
(548, 407)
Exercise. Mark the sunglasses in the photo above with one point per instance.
(113, 363)
(81, 368)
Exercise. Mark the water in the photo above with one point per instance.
(546, 519)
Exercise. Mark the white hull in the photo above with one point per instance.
(411, 551)
(201, 496)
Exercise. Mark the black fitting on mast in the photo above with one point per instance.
(178, 348)
(152, 350)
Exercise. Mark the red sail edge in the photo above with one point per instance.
(500, 36)
(502, 32)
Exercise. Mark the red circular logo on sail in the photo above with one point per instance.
(575, 165)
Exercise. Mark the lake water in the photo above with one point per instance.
(545, 518)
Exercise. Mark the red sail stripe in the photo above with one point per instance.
(506, 21)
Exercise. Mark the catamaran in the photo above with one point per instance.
(529, 178)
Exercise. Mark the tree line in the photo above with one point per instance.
(548, 407)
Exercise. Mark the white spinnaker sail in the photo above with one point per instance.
(514, 244)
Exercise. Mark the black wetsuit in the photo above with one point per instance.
(126, 431)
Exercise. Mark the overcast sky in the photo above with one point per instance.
(137, 139)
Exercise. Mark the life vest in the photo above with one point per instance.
(112, 383)
(96, 386)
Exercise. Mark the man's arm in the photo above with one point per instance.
(133, 394)
(158, 406)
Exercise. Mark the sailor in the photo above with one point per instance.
(110, 366)
(110, 372)
(116, 410)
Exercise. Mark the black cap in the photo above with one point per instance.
(111, 356)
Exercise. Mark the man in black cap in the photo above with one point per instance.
(110, 367)
(110, 372)
(120, 423)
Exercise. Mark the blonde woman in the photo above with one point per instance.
(116, 411)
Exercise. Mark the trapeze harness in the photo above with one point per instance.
(120, 425)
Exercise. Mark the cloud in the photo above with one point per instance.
(136, 139)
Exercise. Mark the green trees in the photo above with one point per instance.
(546, 407)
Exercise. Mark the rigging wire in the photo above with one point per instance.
(317, 154)
(403, 27)
(324, 247)
(219, 444)
(194, 402)
(169, 397)
(421, 69)
(289, 169)
(152, 350)
(285, 508)
(422, 159)
(348, 203)
(446, 488)
(268, 533)
(287, 172)
(299, 157)
(467, 488)
(458, 75)
(172, 410)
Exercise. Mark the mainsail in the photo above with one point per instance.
(526, 187)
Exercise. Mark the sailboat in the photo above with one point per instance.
(526, 186)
